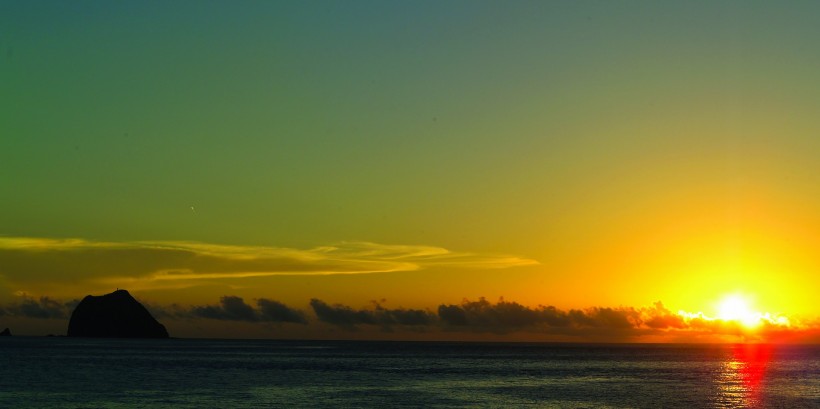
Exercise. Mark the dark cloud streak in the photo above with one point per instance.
(348, 318)
(42, 308)
(233, 308)
(274, 311)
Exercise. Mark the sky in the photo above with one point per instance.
(552, 170)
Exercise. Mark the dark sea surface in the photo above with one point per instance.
(176, 373)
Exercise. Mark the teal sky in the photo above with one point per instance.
(302, 123)
(596, 139)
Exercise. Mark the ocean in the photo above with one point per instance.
(58, 372)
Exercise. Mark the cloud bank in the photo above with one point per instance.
(161, 263)
(349, 318)
(477, 317)
(234, 308)
(41, 308)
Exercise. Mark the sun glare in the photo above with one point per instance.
(736, 308)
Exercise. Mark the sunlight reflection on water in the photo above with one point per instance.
(742, 376)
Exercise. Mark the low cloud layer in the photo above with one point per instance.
(349, 318)
(469, 316)
(235, 309)
(595, 323)
(506, 317)
(41, 308)
(28, 261)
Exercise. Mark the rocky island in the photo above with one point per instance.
(115, 315)
(6, 333)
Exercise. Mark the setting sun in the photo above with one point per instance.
(739, 310)
(736, 308)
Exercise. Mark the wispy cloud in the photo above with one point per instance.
(32, 260)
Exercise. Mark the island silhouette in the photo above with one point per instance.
(114, 315)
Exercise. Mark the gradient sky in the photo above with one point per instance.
(568, 154)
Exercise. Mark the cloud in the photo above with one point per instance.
(349, 318)
(609, 324)
(597, 317)
(408, 317)
(154, 264)
(43, 308)
(505, 316)
(341, 315)
(602, 322)
(274, 311)
(659, 317)
(233, 308)
(483, 315)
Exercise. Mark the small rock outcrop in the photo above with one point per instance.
(115, 315)
(6, 333)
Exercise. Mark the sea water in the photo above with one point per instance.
(176, 373)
